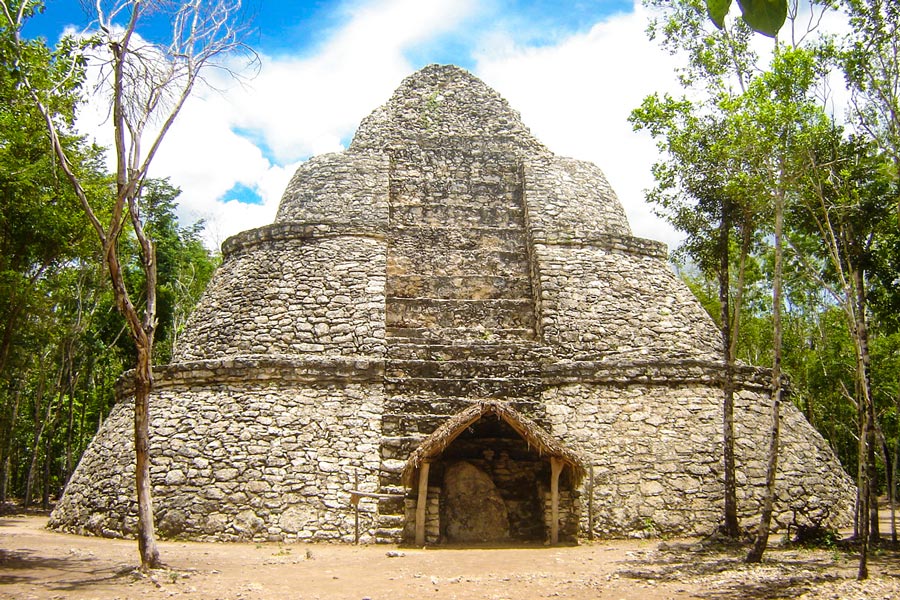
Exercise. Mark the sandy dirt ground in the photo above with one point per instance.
(37, 563)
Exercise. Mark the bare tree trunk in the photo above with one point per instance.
(859, 509)
(864, 499)
(765, 519)
(731, 526)
(142, 92)
(6, 441)
(893, 490)
(889, 474)
(48, 463)
(38, 436)
(143, 381)
(868, 517)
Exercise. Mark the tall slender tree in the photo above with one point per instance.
(701, 187)
(147, 85)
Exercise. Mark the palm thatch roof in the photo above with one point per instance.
(533, 435)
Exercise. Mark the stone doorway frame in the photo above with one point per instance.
(415, 472)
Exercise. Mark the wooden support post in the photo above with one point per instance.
(556, 466)
(355, 501)
(421, 504)
(591, 502)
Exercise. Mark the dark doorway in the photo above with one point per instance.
(491, 482)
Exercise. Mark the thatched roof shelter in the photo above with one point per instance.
(542, 442)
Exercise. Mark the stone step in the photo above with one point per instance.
(424, 402)
(494, 388)
(481, 211)
(408, 348)
(438, 262)
(507, 199)
(461, 369)
(397, 448)
(483, 315)
(391, 521)
(416, 239)
(388, 535)
(389, 479)
(459, 286)
(458, 335)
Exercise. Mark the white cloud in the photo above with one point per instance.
(576, 97)
(294, 108)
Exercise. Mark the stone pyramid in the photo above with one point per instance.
(448, 334)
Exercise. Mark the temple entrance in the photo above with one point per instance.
(490, 485)
(488, 475)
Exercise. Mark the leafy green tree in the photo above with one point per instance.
(780, 110)
(733, 164)
(703, 187)
(41, 234)
(847, 202)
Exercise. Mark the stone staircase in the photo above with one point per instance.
(459, 308)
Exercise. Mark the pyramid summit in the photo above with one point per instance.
(448, 335)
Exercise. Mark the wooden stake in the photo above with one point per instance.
(355, 501)
(590, 502)
(556, 466)
(421, 504)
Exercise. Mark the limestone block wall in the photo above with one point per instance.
(443, 102)
(338, 188)
(599, 303)
(237, 462)
(657, 458)
(457, 262)
(320, 294)
(572, 199)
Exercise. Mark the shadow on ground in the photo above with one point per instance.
(722, 573)
(14, 563)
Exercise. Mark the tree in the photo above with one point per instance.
(847, 202)
(703, 187)
(731, 167)
(783, 116)
(41, 233)
(871, 62)
(147, 85)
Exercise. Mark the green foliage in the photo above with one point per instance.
(744, 135)
(764, 16)
(63, 344)
(184, 265)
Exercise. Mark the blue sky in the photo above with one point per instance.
(292, 27)
(573, 69)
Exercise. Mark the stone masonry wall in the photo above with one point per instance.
(571, 198)
(600, 304)
(316, 295)
(445, 258)
(237, 463)
(656, 456)
(338, 188)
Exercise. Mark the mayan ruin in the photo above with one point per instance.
(448, 335)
